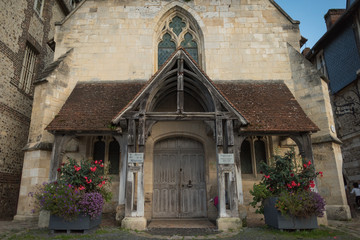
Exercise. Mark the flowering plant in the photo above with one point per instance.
(80, 188)
(292, 184)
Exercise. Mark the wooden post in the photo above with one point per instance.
(57, 154)
(180, 86)
(122, 140)
(237, 146)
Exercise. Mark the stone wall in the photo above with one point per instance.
(347, 113)
(117, 40)
(19, 26)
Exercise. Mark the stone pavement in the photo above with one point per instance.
(111, 231)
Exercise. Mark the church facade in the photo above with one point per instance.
(182, 100)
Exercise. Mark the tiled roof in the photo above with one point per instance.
(267, 105)
(51, 67)
(91, 106)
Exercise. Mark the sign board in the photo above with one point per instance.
(135, 157)
(226, 158)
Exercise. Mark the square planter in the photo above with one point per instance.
(274, 218)
(81, 223)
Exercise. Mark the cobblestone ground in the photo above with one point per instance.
(343, 230)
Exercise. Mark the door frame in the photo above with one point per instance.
(179, 188)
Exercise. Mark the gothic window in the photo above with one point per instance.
(254, 150)
(177, 31)
(114, 156)
(190, 46)
(245, 158)
(166, 48)
(106, 148)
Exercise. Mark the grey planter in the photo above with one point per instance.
(81, 223)
(275, 219)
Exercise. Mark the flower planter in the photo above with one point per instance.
(275, 219)
(81, 223)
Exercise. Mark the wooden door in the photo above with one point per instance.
(179, 179)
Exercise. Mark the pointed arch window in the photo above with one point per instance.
(178, 31)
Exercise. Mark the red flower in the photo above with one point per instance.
(293, 184)
(81, 187)
(309, 163)
(321, 174)
(77, 168)
(93, 169)
(312, 184)
(59, 170)
(101, 165)
(289, 186)
(292, 174)
(267, 177)
(101, 184)
(96, 162)
(305, 166)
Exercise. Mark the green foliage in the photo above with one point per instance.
(292, 182)
(259, 193)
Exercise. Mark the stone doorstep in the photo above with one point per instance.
(181, 223)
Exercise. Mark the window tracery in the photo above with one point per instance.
(177, 31)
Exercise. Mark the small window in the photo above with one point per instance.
(114, 157)
(253, 152)
(320, 63)
(28, 69)
(38, 6)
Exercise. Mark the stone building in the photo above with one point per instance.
(337, 56)
(26, 46)
(182, 99)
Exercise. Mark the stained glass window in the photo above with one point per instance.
(177, 25)
(165, 49)
(190, 46)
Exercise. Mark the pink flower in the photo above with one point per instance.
(81, 187)
(101, 165)
(93, 169)
(309, 163)
(96, 162)
(77, 168)
(267, 176)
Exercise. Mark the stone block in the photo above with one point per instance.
(338, 212)
(228, 224)
(134, 223)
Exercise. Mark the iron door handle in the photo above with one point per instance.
(189, 184)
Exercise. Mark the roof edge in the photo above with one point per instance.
(282, 11)
(70, 14)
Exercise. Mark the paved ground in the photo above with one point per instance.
(256, 229)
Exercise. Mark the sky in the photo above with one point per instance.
(310, 13)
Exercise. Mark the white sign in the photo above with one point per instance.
(136, 157)
(226, 158)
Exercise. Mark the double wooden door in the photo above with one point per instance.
(179, 179)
